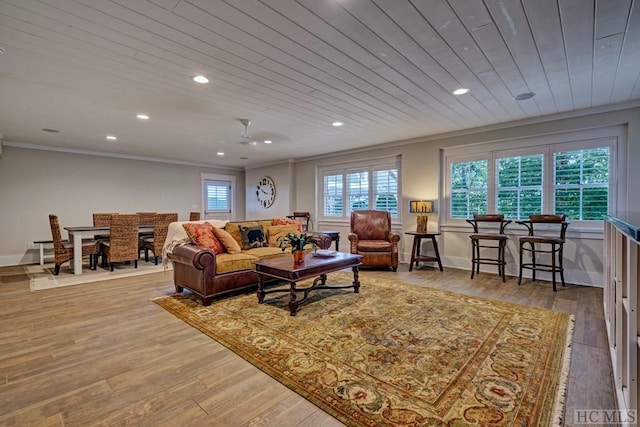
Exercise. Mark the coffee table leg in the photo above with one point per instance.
(260, 288)
(293, 304)
(356, 281)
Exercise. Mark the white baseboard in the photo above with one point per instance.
(578, 277)
(29, 257)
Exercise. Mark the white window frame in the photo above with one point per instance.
(231, 179)
(614, 137)
(345, 168)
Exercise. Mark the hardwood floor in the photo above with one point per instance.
(104, 354)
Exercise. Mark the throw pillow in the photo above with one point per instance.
(276, 231)
(252, 237)
(287, 221)
(202, 235)
(227, 241)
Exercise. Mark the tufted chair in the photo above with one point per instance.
(371, 237)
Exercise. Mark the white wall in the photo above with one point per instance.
(36, 183)
(421, 180)
(282, 175)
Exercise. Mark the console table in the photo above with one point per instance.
(621, 304)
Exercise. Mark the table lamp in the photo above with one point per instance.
(421, 207)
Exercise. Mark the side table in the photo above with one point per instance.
(415, 251)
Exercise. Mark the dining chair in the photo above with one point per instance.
(123, 240)
(156, 242)
(549, 239)
(194, 216)
(63, 250)
(145, 218)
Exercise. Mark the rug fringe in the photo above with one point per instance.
(561, 392)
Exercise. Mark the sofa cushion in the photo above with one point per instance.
(229, 243)
(202, 235)
(252, 237)
(287, 221)
(276, 231)
(266, 253)
(233, 228)
(374, 245)
(228, 263)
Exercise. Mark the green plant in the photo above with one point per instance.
(296, 241)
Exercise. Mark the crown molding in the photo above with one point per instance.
(28, 146)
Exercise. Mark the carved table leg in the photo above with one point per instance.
(260, 288)
(356, 281)
(293, 304)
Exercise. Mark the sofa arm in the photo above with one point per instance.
(321, 240)
(191, 254)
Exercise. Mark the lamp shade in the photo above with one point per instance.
(421, 206)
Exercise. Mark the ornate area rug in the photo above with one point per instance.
(400, 354)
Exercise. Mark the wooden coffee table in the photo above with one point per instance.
(284, 268)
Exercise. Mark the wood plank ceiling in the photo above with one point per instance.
(386, 68)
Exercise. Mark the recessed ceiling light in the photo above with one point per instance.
(112, 137)
(50, 130)
(266, 141)
(460, 91)
(220, 153)
(201, 79)
(337, 124)
(523, 96)
(142, 116)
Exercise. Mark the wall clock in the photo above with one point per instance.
(266, 192)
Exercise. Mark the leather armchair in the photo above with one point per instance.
(371, 237)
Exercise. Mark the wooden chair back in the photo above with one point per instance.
(160, 227)
(146, 218)
(479, 221)
(194, 216)
(102, 219)
(61, 254)
(123, 240)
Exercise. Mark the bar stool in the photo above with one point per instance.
(552, 223)
(477, 239)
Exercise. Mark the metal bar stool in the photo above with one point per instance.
(555, 246)
(477, 239)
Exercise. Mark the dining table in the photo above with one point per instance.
(76, 234)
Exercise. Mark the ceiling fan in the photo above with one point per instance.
(245, 135)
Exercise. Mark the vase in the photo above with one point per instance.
(298, 257)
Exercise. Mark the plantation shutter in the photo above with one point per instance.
(332, 201)
(357, 191)
(519, 183)
(218, 199)
(582, 183)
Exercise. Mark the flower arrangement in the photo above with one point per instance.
(297, 241)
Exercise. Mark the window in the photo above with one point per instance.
(571, 178)
(217, 198)
(582, 183)
(519, 186)
(363, 185)
(468, 188)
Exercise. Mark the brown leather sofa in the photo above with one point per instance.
(209, 275)
(371, 237)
